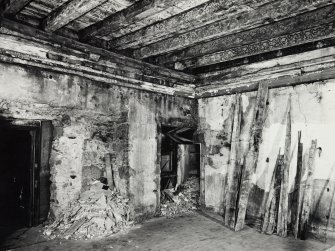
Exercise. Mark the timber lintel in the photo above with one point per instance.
(308, 67)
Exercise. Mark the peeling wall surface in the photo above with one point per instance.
(146, 114)
(312, 113)
(91, 119)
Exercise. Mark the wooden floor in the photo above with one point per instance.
(193, 232)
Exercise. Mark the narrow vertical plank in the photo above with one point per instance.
(44, 172)
(108, 164)
(283, 204)
(297, 191)
(234, 171)
(250, 160)
(272, 203)
(33, 178)
(307, 201)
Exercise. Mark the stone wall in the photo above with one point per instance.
(91, 119)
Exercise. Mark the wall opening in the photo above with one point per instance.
(180, 156)
(24, 173)
(179, 171)
(16, 188)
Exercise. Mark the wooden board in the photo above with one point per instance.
(69, 12)
(232, 24)
(283, 202)
(308, 194)
(234, 167)
(12, 7)
(142, 13)
(290, 70)
(297, 198)
(272, 203)
(44, 179)
(252, 36)
(197, 17)
(251, 157)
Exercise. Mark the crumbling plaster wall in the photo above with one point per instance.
(312, 112)
(147, 112)
(91, 119)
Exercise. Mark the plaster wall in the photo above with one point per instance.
(91, 119)
(146, 115)
(312, 112)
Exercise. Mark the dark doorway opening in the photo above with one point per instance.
(15, 178)
(25, 148)
(180, 156)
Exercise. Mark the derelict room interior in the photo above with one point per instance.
(167, 125)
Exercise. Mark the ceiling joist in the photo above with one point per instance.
(293, 39)
(69, 12)
(139, 15)
(266, 13)
(166, 13)
(195, 18)
(198, 52)
(12, 7)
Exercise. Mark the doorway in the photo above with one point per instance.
(180, 156)
(16, 160)
(25, 148)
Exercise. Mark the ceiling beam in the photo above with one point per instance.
(12, 7)
(69, 12)
(197, 17)
(307, 67)
(172, 10)
(138, 15)
(300, 22)
(113, 59)
(285, 41)
(58, 54)
(253, 18)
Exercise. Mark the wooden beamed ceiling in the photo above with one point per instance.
(194, 36)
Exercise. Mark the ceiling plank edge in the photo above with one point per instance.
(12, 7)
(68, 12)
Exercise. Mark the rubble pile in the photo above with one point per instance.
(99, 212)
(180, 201)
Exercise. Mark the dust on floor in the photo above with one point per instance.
(191, 232)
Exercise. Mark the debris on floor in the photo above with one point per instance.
(180, 201)
(99, 212)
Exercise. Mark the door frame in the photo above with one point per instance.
(34, 128)
(159, 155)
